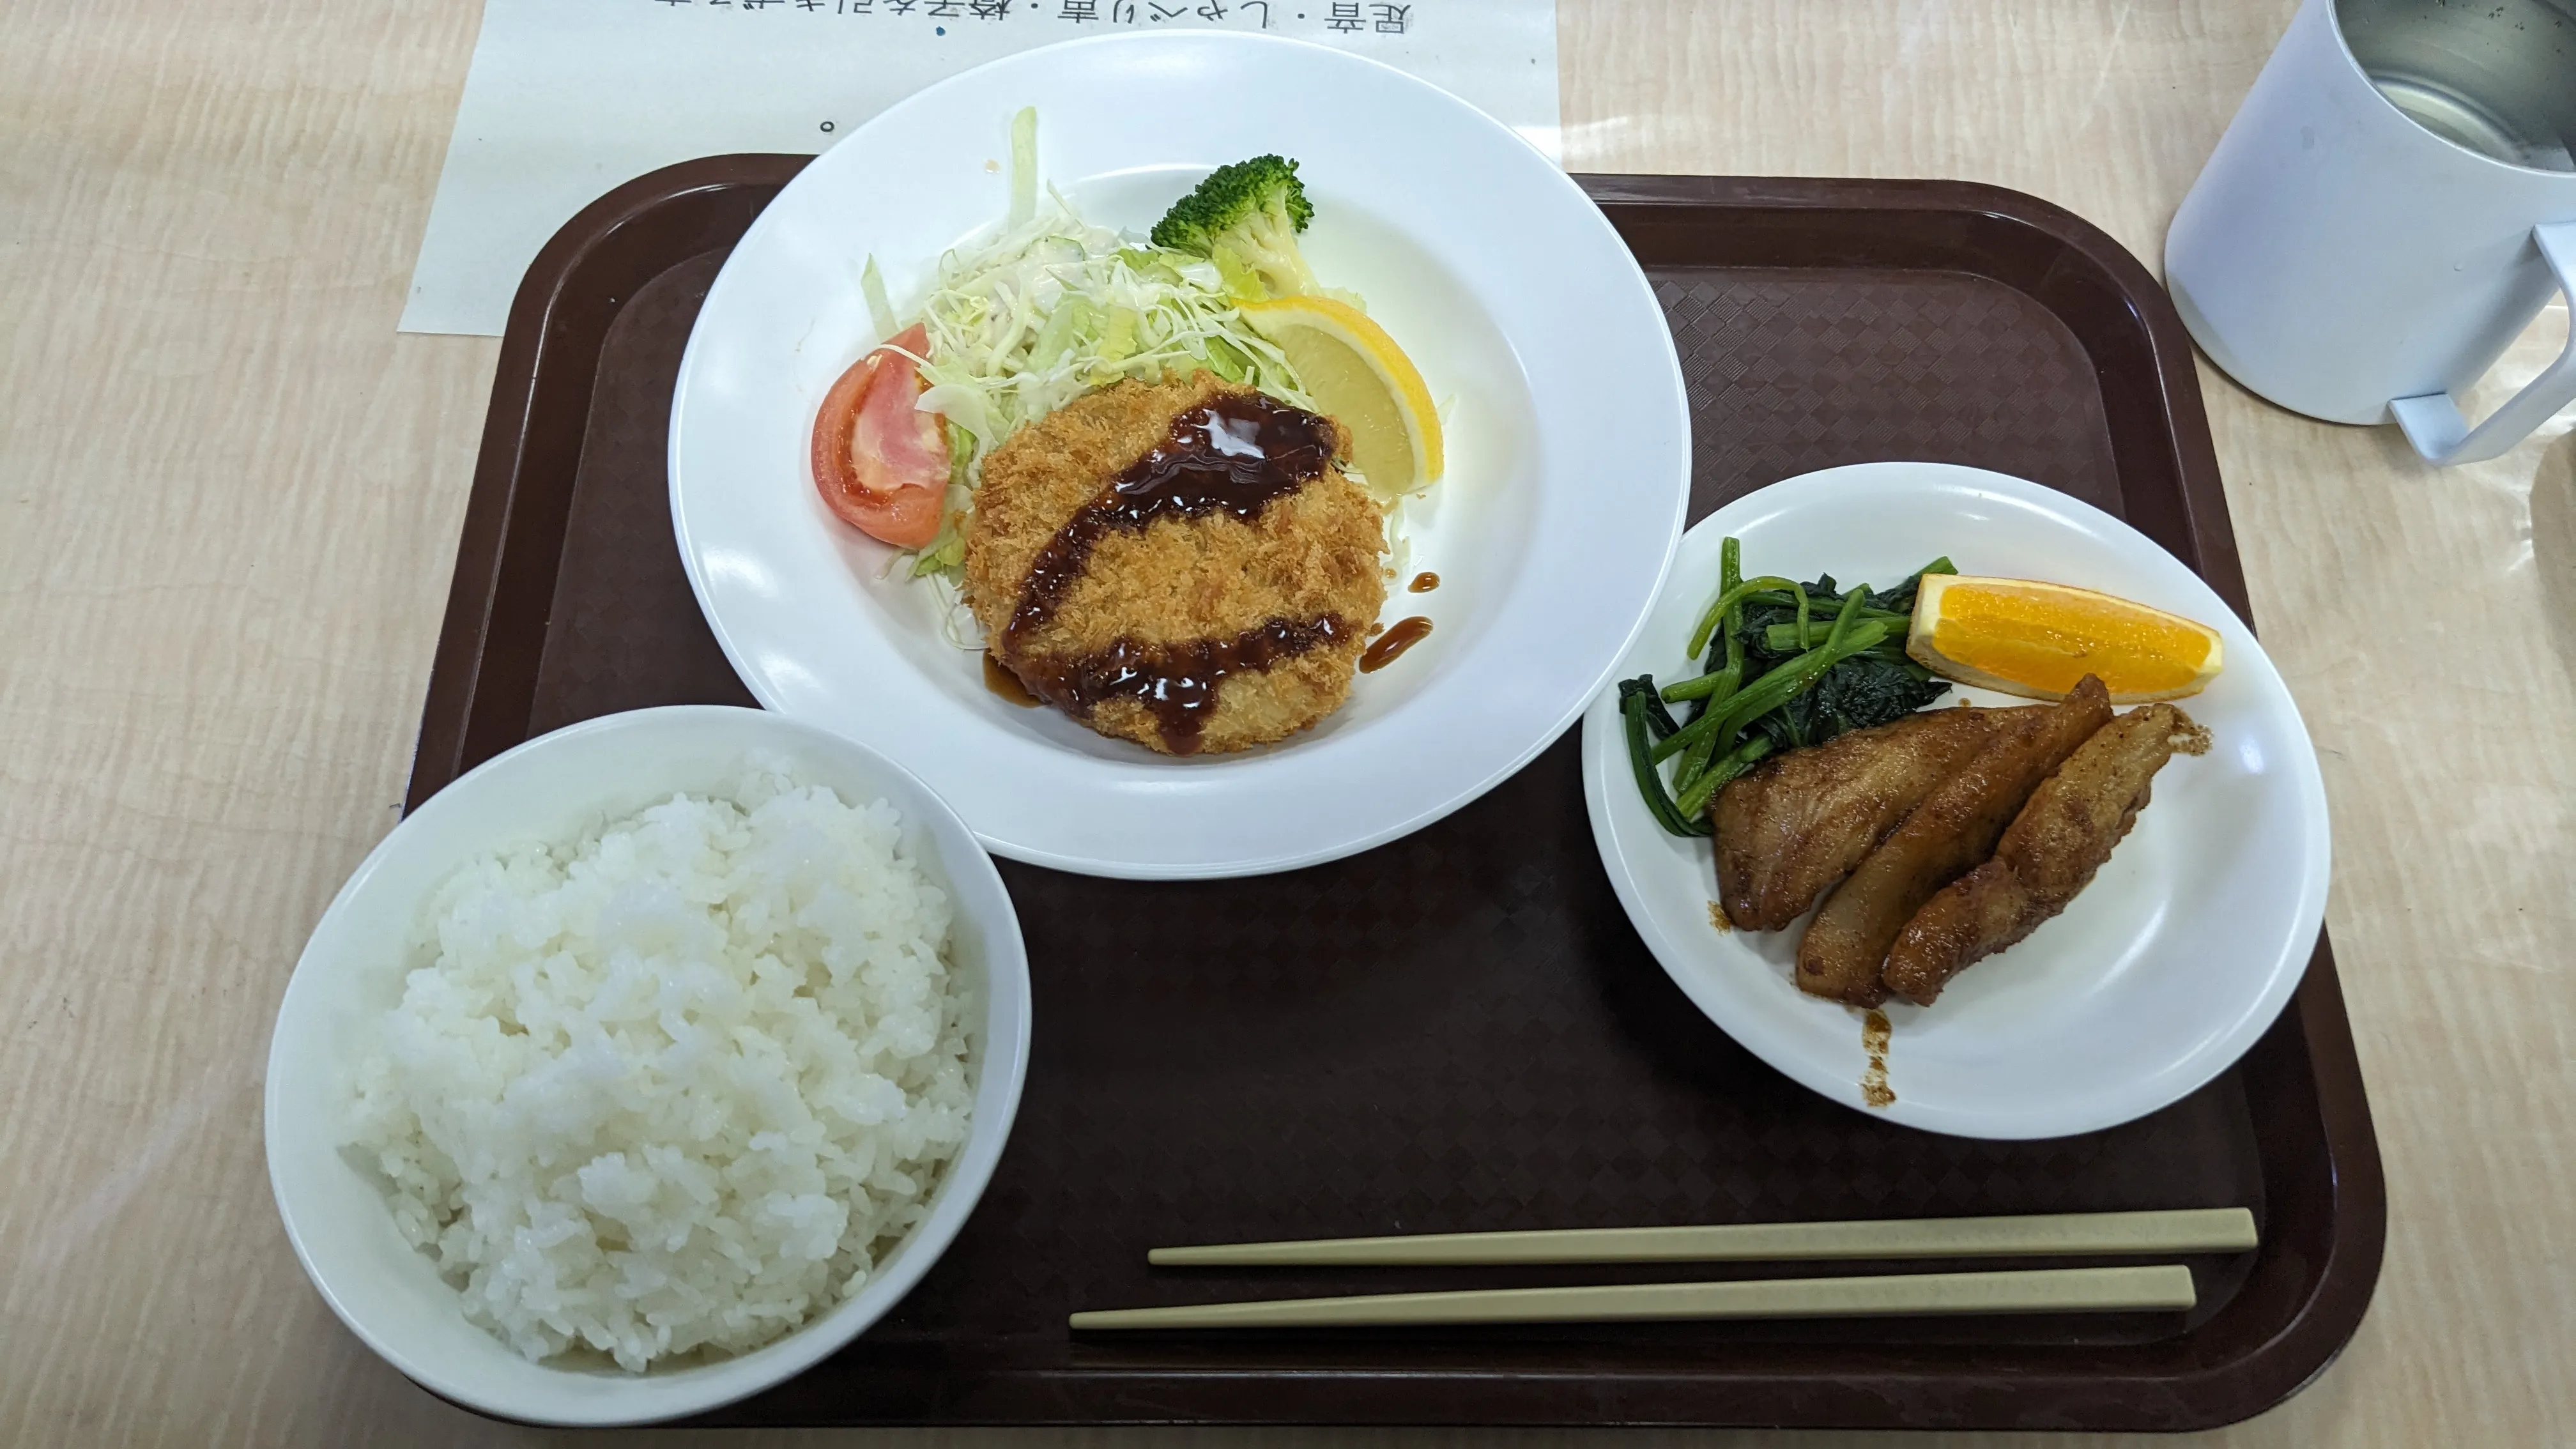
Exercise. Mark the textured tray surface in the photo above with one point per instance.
(1460, 1031)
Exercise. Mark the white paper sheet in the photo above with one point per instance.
(568, 98)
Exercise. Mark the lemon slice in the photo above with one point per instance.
(2037, 640)
(1356, 373)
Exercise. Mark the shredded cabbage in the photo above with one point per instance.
(1053, 308)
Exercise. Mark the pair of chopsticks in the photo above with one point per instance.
(2049, 1290)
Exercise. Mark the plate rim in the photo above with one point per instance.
(1605, 745)
(1206, 866)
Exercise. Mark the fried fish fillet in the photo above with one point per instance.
(1206, 629)
(2047, 854)
(1942, 839)
(1787, 831)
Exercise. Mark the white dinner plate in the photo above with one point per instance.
(2154, 980)
(1568, 445)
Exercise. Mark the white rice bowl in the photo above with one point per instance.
(672, 1088)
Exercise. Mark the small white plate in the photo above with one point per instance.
(2152, 982)
(1567, 428)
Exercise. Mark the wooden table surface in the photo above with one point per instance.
(231, 497)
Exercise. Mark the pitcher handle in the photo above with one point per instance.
(2433, 422)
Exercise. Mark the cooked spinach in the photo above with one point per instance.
(1871, 687)
(1787, 665)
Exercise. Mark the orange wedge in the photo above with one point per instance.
(2036, 640)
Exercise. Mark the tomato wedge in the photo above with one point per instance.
(879, 460)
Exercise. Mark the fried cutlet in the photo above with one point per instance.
(1793, 827)
(1943, 838)
(1230, 614)
(2047, 855)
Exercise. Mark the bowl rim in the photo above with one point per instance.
(701, 1387)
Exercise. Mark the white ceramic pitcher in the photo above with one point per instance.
(2392, 205)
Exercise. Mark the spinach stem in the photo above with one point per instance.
(1730, 580)
(1636, 699)
(1780, 638)
(1728, 598)
(1773, 689)
(1699, 688)
(1694, 800)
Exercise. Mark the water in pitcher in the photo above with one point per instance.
(2497, 77)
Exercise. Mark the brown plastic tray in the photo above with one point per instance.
(1460, 1031)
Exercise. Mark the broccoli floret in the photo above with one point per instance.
(1248, 213)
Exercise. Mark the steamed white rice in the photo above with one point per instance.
(676, 1085)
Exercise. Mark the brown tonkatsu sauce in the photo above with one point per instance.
(1404, 635)
(1423, 582)
(1006, 684)
(1875, 1033)
(1176, 683)
(1232, 455)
